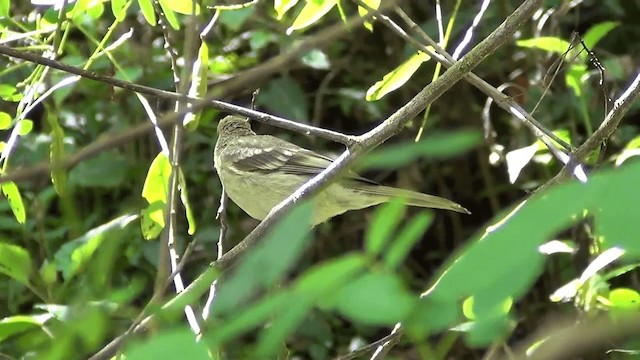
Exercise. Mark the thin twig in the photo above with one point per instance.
(394, 336)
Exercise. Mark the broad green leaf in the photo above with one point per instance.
(287, 321)
(595, 33)
(146, 6)
(9, 92)
(169, 14)
(234, 19)
(18, 324)
(374, 4)
(435, 146)
(376, 299)
(469, 311)
(24, 127)
(402, 244)
(171, 344)
(155, 190)
(15, 262)
(184, 197)
(75, 254)
(546, 43)
(116, 8)
(5, 120)
(575, 77)
(624, 298)
(322, 280)
(198, 84)
(285, 97)
(267, 262)
(383, 224)
(107, 170)
(182, 6)
(48, 272)
(397, 77)
(494, 267)
(57, 153)
(11, 192)
(282, 6)
(5, 5)
(311, 12)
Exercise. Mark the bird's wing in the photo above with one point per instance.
(280, 155)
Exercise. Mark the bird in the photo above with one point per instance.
(259, 171)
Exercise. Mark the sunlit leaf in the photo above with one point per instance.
(282, 6)
(312, 12)
(182, 6)
(5, 5)
(155, 191)
(374, 4)
(184, 198)
(15, 262)
(24, 127)
(5, 120)
(146, 6)
(316, 59)
(116, 8)
(12, 194)
(397, 77)
(546, 43)
(169, 14)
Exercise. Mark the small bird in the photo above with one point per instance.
(259, 171)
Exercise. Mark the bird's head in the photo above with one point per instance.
(234, 124)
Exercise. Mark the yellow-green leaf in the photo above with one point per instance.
(24, 127)
(169, 14)
(184, 197)
(546, 43)
(312, 12)
(146, 6)
(374, 4)
(15, 262)
(11, 192)
(181, 6)
(5, 120)
(155, 189)
(58, 173)
(282, 6)
(397, 77)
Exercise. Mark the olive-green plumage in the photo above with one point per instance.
(259, 171)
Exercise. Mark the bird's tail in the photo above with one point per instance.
(413, 198)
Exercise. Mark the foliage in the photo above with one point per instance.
(82, 247)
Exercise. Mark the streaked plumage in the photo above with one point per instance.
(259, 171)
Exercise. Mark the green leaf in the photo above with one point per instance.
(57, 153)
(5, 121)
(5, 5)
(311, 12)
(397, 77)
(322, 280)
(316, 59)
(146, 6)
(198, 85)
(285, 97)
(107, 170)
(18, 324)
(288, 320)
(234, 19)
(184, 197)
(282, 6)
(383, 224)
(267, 262)
(169, 14)
(410, 234)
(24, 127)
(11, 192)
(436, 146)
(116, 8)
(171, 344)
(575, 77)
(595, 33)
(546, 43)
(15, 262)
(155, 190)
(74, 255)
(624, 298)
(9, 92)
(376, 299)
